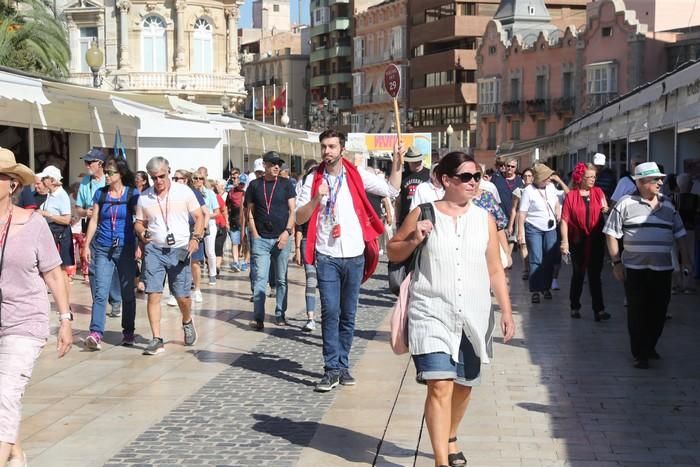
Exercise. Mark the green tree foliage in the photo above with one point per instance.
(32, 39)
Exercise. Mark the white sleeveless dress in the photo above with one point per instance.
(450, 293)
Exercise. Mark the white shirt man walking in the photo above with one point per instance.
(163, 224)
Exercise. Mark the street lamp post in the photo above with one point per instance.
(95, 58)
(285, 119)
(450, 131)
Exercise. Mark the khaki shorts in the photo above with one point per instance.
(17, 357)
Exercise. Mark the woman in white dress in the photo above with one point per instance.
(450, 304)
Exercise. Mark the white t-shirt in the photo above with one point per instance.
(426, 192)
(538, 213)
(175, 206)
(350, 243)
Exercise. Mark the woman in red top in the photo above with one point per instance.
(582, 237)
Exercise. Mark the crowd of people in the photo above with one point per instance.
(159, 231)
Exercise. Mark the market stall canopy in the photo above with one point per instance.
(22, 88)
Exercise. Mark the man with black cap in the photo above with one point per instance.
(93, 181)
(271, 205)
(415, 174)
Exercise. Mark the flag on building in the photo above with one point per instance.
(119, 148)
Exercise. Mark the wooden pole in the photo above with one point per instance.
(397, 121)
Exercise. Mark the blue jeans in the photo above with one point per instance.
(339, 281)
(542, 253)
(108, 263)
(265, 252)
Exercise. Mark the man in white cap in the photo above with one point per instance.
(648, 224)
(416, 174)
(605, 178)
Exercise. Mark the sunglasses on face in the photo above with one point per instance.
(466, 177)
(512, 166)
(159, 177)
(110, 172)
(89, 162)
(197, 178)
(177, 179)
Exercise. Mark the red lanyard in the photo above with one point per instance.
(164, 215)
(268, 203)
(113, 212)
(5, 233)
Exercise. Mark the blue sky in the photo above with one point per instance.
(246, 20)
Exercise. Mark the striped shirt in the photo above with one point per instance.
(450, 291)
(648, 234)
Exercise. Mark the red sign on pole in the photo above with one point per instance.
(392, 80)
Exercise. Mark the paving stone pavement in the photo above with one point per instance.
(260, 411)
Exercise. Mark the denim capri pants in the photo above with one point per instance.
(440, 365)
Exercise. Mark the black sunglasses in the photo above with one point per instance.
(177, 179)
(466, 177)
(159, 177)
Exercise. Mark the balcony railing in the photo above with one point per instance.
(537, 106)
(167, 81)
(490, 109)
(513, 107)
(377, 98)
(593, 101)
(562, 105)
(383, 57)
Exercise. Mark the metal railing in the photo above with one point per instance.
(490, 109)
(513, 107)
(537, 106)
(564, 104)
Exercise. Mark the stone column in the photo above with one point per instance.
(74, 41)
(232, 65)
(124, 6)
(180, 6)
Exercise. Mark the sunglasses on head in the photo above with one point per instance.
(159, 177)
(466, 177)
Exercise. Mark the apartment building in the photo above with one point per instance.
(380, 39)
(533, 84)
(443, 41)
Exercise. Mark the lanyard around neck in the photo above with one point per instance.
(268, 202)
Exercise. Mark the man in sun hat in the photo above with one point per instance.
(414, 174)
(648, 223)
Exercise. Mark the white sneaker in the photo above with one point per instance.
(172, 301)
(197, 296)
(309, 326)
(555, 284)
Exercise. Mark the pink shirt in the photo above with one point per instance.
(30, 251)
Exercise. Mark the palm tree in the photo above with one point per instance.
(32, 39)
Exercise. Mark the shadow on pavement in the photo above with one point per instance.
(348, 445)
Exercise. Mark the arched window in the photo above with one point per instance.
(203, 52)
(154, 47)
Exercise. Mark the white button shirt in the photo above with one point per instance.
(351, 243)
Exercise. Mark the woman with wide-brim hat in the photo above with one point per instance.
(26, 269)
(538, 216)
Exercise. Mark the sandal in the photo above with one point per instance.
(456, 459)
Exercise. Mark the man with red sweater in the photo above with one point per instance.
(342, 242)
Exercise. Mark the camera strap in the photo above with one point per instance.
(3, 239)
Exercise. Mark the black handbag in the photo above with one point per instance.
(399, 271)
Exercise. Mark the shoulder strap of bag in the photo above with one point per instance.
(427, 212)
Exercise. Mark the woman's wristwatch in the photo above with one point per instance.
(616, 262)
(65, 316)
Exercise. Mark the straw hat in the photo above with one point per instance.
(9, 166)
(541, 173)
(413, 155)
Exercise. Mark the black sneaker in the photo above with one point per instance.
(328, 382)
(280, 321)
(641, 363)
(535, 297)
(547, 294)
(257, 325)
(346, 378)
(155, 346)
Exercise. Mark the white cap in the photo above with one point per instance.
(598, 159)
(258, 165)
(51, 171)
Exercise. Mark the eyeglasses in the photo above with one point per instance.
(654, 180)
(466, 177)
(159, 177)
(110, 172)
(590, 177)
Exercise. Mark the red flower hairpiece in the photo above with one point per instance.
(578, 173)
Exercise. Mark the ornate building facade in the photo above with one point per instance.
(177, 47)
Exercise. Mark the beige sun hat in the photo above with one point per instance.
(9, 166)
(541, 172)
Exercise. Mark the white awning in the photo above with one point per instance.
(22, 88)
